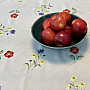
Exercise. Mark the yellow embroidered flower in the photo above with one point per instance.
(82, 84)
(73, 78)
(41, 61)
(46, 10)
(1, 33)
(76, 85)
(34, 55)
(40, 7)
(68, 87)
(8, 28)
(20, 1)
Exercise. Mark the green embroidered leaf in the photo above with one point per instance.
(42, 11)
(0, 57)
(5, 31)
(34, 63)
(74, 10)
(71, 84)
(0, 25)
(12, 11)
(50, 5)
(27, 65)
(79, 57)
(1, 29)
(72, 56)
(17, 11)
(1, 51)
(38, 57)
(39, 65)
(43, 6)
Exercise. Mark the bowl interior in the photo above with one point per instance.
(37, 29)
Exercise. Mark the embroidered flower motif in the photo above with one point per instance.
(74, 50)
(82, 84)
(75, 57)
(30, 60)
(8, 28)
(41, 13)
(68, 87)
(1, 32)
(7, 33)
(66, 10)
(74, 86)
(12, 31)
(73, 78)
(40, 51)
(40, 7)
(34, 55)
(1, 52)
(44, 9)
(74, 10)
(20, 1)
(3, 26)
(14, 15)
(41, 61)
(37, 60)
(9, 54)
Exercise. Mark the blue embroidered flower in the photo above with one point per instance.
(12, 31)
(44, 9)
(8, 30)
(3, 26)
(40, 51)
(7, 33)
(44, 55)
(41, 13)
(30, 60)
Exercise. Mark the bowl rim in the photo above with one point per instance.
(56, 47)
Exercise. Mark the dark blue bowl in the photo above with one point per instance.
(37, 29)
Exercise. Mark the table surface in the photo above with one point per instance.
(27, 65)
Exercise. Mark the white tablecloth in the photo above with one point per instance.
(56, 67)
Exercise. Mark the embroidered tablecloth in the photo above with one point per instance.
(27, 65)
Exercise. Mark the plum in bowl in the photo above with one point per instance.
(37, 30)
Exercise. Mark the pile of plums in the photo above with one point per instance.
(58, 29)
